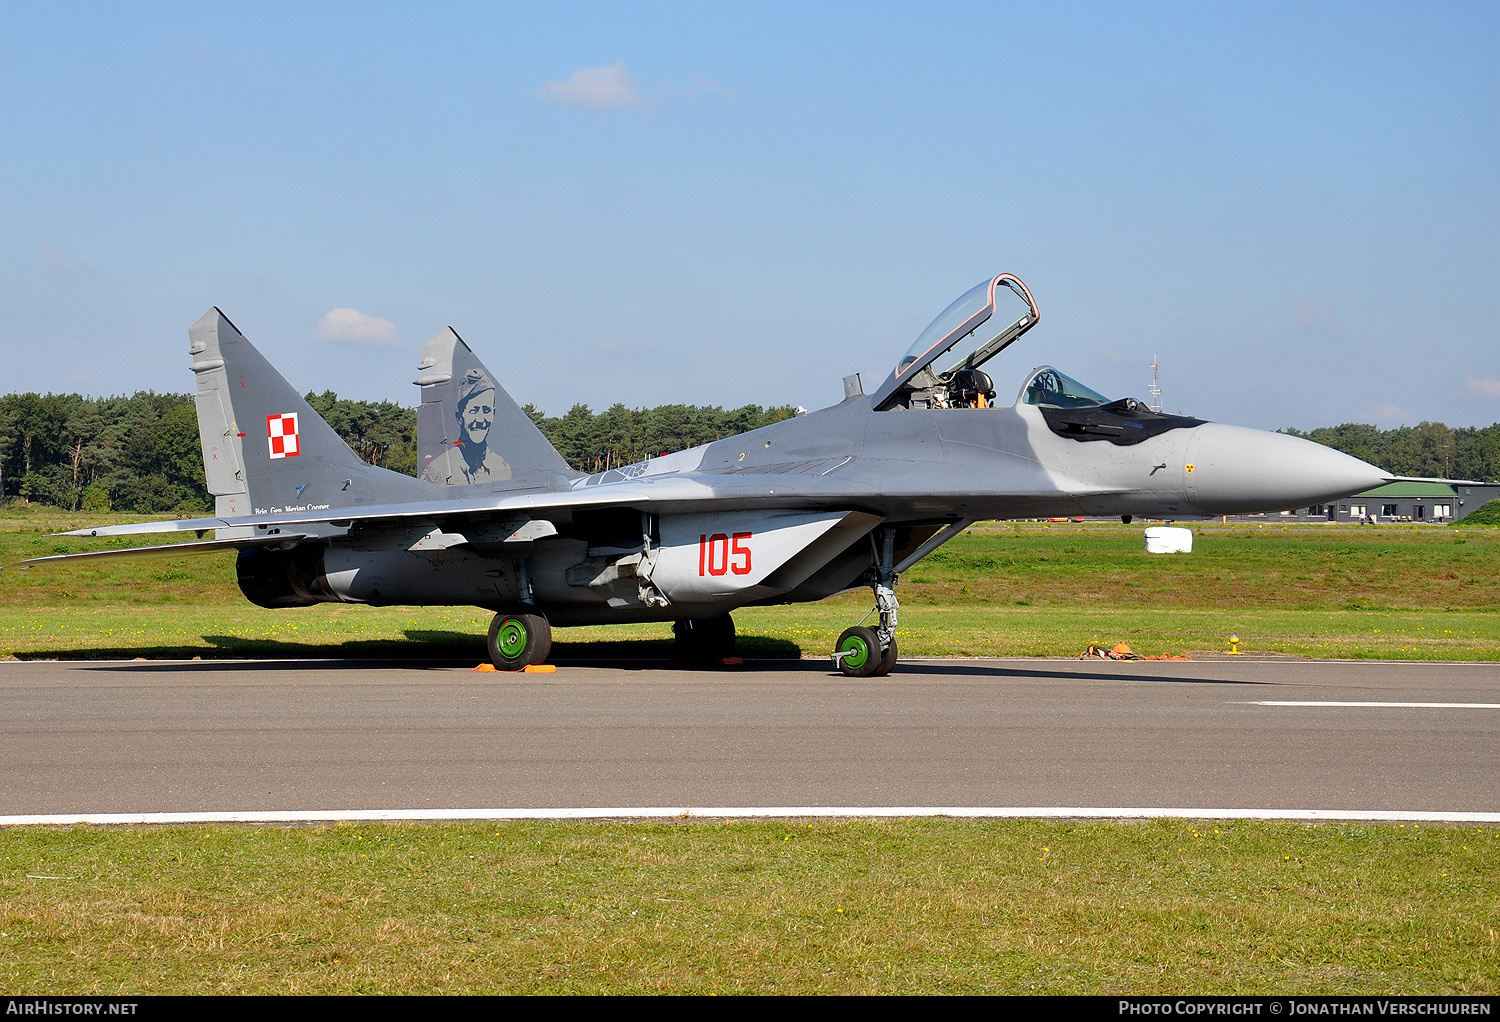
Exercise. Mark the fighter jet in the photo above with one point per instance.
(843, 498)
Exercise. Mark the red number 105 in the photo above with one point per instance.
(716, 554)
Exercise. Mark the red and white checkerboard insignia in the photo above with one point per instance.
(281, 433)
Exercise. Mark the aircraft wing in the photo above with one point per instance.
(511, 511)
(672, 494)
(478, 506)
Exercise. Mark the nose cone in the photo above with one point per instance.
(1233, 470)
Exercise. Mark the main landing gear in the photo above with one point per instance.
(519, 638)
(864, 652)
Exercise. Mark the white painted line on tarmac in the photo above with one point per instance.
(1421, 706)
(750, 812)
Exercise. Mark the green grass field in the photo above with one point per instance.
(852, 907)
(1417, 593)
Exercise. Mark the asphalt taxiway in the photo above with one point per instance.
(331, 736)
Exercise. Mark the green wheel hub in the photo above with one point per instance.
(511, 638)
(859, 653)
(858, 650)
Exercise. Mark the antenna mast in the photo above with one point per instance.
(1154, 389)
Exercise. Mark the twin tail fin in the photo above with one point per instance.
(265, 451)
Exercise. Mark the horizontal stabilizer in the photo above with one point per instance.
(163, 550)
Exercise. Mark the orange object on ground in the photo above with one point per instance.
(1120, 651)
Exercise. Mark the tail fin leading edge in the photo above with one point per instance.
(470, 430)
(264, 449)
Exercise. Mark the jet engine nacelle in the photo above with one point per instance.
(283, 578)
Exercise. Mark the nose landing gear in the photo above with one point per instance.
(864, 652)
(859, 654)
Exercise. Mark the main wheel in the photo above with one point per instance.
(519, 639)
(861, 649)
(709, 638)
(887, 660)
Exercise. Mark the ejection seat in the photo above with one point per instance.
(971, 388)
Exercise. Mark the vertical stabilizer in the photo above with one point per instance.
(264, 449)
(470, 431)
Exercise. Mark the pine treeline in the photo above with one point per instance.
(141, 453)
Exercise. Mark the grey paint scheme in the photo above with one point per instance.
(322, 525)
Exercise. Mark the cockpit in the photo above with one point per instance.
(1051, 389)
(1076, 412)
(942, 370)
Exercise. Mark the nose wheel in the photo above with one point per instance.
(519, 639)
(864, 652)
(859, 653)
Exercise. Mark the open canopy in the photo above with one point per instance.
(963, 337)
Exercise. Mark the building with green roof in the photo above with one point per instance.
(1404, 502)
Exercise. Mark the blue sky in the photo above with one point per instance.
(1295, 206)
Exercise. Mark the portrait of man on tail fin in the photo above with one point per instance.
(471, 432)
(471, 458)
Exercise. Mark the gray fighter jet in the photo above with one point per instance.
(843, 498)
